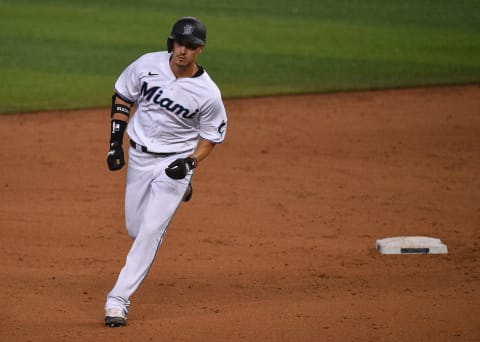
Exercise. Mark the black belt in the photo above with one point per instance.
(142, 148)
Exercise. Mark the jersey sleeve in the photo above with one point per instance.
(213, 122)
(127, 85)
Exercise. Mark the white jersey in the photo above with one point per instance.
(172, 113)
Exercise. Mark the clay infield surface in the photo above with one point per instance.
(278, 242)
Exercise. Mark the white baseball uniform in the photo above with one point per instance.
(172, 115)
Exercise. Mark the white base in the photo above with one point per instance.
(411, 245)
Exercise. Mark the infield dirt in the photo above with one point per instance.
(278, 242)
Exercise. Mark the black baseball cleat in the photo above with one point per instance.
(114, 322)
(115, 318)
(188, 193)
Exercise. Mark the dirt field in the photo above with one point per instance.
(278, 242)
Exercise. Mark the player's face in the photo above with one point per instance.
(185, 53)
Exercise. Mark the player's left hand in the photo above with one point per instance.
(180, 167)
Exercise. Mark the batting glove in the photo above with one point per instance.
(115, 158)
(180, 167)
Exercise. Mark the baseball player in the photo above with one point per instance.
(179, 118)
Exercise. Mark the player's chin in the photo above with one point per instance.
(182, 63)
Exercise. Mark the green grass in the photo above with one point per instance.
(57, 54)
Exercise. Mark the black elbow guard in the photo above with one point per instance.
(119, 108)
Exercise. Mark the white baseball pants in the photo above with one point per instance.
(151, 199)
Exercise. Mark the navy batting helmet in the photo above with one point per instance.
(188, 29)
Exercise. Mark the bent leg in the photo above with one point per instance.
(163, 200)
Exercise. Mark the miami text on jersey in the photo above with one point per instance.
(154, 94)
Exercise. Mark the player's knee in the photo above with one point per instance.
(132, 234)
(132, 229)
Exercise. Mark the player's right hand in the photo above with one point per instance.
(115, 158)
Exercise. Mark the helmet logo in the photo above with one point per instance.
(188, 29)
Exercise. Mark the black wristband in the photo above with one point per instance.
(117, 131)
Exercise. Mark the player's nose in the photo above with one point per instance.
(182, 49)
